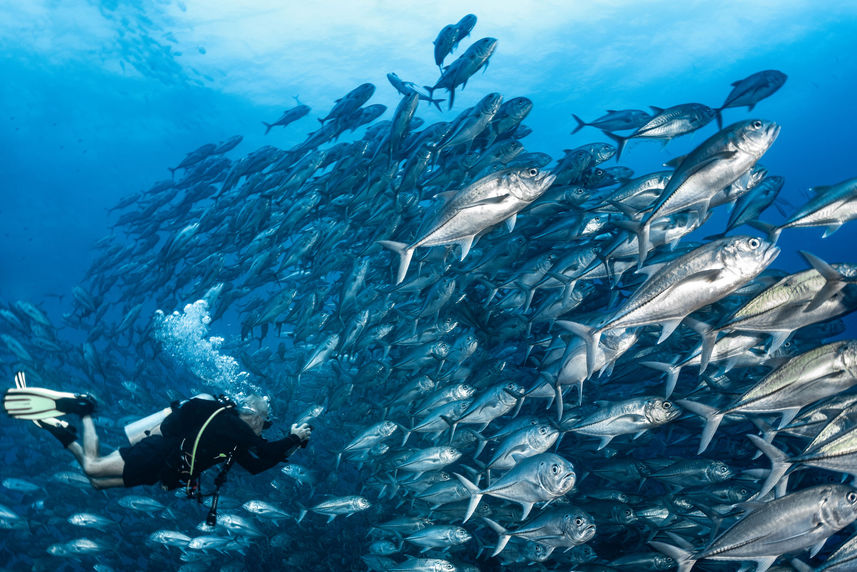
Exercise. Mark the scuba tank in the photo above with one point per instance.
(142, 428)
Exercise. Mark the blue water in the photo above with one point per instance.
(99, 99)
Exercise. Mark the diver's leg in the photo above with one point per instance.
(94, 466)
(109, 466)
(106, 483)
(90, 437)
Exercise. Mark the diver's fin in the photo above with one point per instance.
(41, 403)
(65, 433)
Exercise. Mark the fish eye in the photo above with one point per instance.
(578, 521)
(555, 469)
(667, 404)
(754, 243)
(757, 124)
(533, 172)
(851, 497)
(628, 512)
(722, 468)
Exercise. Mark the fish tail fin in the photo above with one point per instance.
(404, 253)
(712, 416)
(709, 338)
(620, 142)
(779, 464)
(591, 337)
(452, 425)
(475, 496)
(704, 331)
(580, 124)
(301, 513)
(671, 370)
(481, 440)
(267, 127)
(772, 231)
(834, 281)
(682, 557)
(436, 102)
(502, 532)
(645, 244)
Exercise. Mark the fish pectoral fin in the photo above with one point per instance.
(705, 275)
(545, 537)
(493, 200)
(708, 161)
(517, 451)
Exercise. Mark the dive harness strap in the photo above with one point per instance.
(193, 485)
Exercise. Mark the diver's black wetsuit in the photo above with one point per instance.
(163, 458)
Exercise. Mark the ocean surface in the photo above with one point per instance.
(102, 268)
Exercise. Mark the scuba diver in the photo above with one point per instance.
(172, 447)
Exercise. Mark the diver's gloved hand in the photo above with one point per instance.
(302, 431)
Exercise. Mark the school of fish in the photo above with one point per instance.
(511, 360)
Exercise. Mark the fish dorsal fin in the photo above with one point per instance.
(657, 110)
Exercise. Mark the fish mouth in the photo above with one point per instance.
(567, 482)
(587, 533)
(545, 179)
(771, 253)
(773, 131)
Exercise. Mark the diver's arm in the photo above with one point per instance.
(262, 456)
